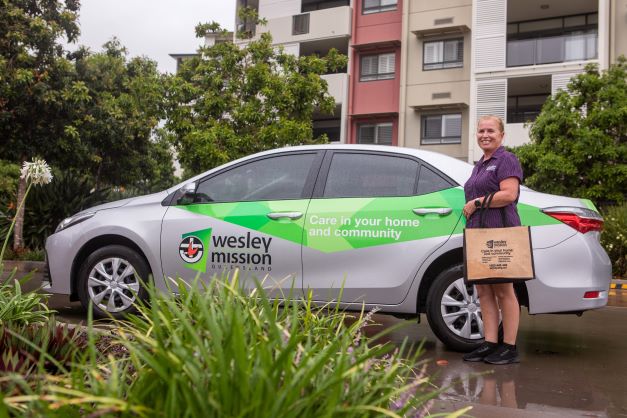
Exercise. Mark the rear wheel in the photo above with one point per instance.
(454, 311)
(110, 278)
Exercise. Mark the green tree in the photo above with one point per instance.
(115, 117)
(231, 101)
(33, 80)
(579, 141)
(83, 112)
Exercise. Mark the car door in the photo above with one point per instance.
(248, 217)
(374, 218)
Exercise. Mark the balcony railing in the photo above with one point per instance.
(522, 116)
(552, 49)
(305, 27)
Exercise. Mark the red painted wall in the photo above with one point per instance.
(374, 101)
(378, 96)
(377, 27)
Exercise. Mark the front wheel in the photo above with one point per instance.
(454, 311)
(110, 278)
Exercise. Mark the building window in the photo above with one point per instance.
(441, 129)
(323, 4)
(551, 40)
(443, 54)
(377, 6)
(375, 133)
(525, 108)
(300, 24)
(377, 67)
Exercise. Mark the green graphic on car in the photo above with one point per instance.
(333, 225)
(193, 249)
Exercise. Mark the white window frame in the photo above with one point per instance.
(385, 67)
(300, 24)
(382, 6)
(377, 127)
(438, 49)
(443, 138)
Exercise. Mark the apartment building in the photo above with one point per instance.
(467, 58)
(421, 72)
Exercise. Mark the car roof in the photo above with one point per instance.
(456, 169)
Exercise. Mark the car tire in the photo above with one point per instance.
(111, 278)
(454, 312)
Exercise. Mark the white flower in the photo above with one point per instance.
(37, 172)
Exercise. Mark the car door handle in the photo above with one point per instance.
(285, 215)
(427, 211)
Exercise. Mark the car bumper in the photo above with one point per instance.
(565, 272)
(60, 253)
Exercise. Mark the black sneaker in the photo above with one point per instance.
(479, 353)
(504, 354)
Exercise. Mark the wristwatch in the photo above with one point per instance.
(477, 203)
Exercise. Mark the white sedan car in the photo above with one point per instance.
(373, 225)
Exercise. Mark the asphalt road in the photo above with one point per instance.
(570, 367)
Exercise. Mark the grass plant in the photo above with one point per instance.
(218, 350)
(20, 308)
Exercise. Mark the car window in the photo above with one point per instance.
(370, 175)
(273, 178)
(430, 182)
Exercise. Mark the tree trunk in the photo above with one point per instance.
(18, 231)
(97, 186)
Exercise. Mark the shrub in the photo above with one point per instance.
(614, 237)
(19, 308)
(24, 255)
(9, 175)
(49, 345)
(218, 351)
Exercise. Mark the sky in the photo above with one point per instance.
(154, 28)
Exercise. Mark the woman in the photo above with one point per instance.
(497, 171)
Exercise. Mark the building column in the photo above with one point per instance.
(403, 75)
(604, 34)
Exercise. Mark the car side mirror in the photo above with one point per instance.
(186, 194)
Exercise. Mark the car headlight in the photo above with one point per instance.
(73, 220)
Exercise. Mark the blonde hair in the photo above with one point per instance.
(495, 118)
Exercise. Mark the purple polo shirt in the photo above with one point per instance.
(485, 179)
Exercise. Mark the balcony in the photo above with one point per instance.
(451, 95)
(552, 49)
(337, 85)
(441, 22)
(320, 24)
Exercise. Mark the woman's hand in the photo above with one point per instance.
(469, 209)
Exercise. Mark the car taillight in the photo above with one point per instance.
(582, 219)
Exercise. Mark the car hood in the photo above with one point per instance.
(110, 205)
(138, 200)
